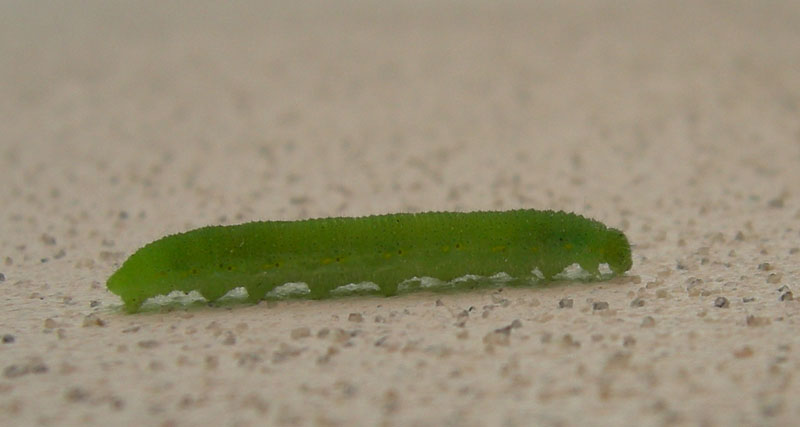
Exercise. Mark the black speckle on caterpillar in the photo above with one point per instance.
(383, 251)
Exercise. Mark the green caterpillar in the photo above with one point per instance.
(326, 253)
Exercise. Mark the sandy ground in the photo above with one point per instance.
(679, 123)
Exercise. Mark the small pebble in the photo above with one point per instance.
(568, 342)
(774, 278)
(93, 320)
(765, 266)
(757, 321)
(38, 367)
(787, 296)
(8, 338)
(500, 336)
(301, 332)
(2, 277)
(230, 338)
(775, 203)
(743, 352)
(693, 286)
(599, 305)
(76, 394)
(721, 302)
(461, 318)
(339, 335)
(565, 303)
(637, 302)
(494, 338)
(14, 371)
(648, 322)
(148, 344)
(653, 284)
(355, 317)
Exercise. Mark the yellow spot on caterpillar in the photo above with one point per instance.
(568, 246)
(387, 255)
(498, 249)
(535, 249)
(327, 261)
(445, 248)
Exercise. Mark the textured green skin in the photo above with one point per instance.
(326, 253)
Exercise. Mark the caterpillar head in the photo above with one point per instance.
(617, 251)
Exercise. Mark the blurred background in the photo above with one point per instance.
(122, 121)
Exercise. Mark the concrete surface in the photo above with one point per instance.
(675, 121)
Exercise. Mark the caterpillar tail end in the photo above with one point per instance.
(119, 285)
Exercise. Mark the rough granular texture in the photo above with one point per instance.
(678, 125)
